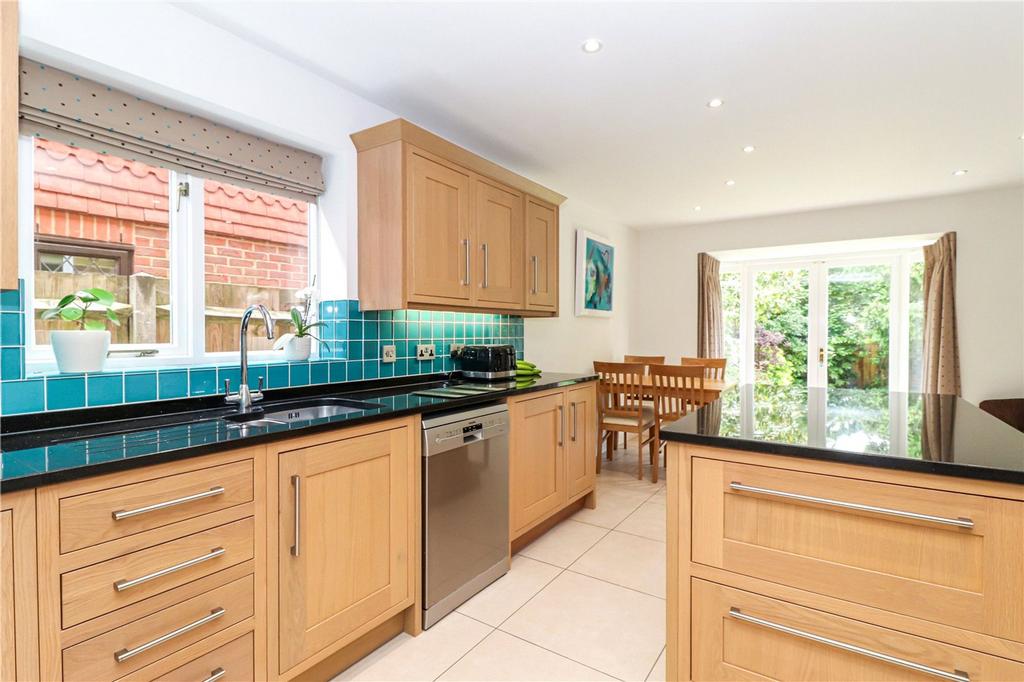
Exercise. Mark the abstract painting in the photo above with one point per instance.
(595, 274)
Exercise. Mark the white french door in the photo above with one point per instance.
(838, 322)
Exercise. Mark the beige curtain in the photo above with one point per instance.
(941, 360)
(709, 308)
(76, 111)
(938, 416)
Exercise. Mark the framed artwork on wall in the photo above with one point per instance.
(595, 275)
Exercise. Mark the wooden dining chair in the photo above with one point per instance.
(646, 361)
(621, 409)
(714, 368)
(677, 390)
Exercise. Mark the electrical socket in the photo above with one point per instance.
(388, 354)
(425, 351)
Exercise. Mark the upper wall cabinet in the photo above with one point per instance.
(442, 228)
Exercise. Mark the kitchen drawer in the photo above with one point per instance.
(91, 518)
(232, 661)
(940, 556)
(739, 635)
(159, 634)
(100, 588)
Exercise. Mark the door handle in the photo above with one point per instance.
(486, 259)
(821, 357)
(536, 267)
(465, 282)
(561, 425)
(573, 405)
(297, 484)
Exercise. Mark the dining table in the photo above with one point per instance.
(712, 387)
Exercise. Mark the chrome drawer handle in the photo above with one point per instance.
(946, 521)
(125, 514)
(122, 585)
(215, 675)
(955, 676)
(124, 654)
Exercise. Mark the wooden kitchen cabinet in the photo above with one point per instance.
(346, 549)
(541, 256)
(581, 446)
(553, 453)
(442, 228)
(19, 643)
(537, 444)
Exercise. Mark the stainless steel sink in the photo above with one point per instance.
(301, 410)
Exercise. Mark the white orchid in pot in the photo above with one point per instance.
(83, 349)
(298, 343)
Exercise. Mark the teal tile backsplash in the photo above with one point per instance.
(353, 345)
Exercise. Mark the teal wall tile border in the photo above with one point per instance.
(353, 346)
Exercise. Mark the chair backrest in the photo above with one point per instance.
(620, 389)
(714, 368)
(646, 360)
(676, 389)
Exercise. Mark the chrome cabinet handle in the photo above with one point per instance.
(955, 676)
(122, 585)
(469, 276)
(536, 267)
(125, 514)
(958, 522)
(124, 654)
(297, 484)
(215, 675)
(483, 285)
(561, 425)
(573, 405)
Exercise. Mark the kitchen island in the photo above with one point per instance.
(844, 535)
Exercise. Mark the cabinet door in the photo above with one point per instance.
(18, 614)
(439, 248)
(499, 239)
(347, 558)
(536, 440)
(541, 255)
(581, 446)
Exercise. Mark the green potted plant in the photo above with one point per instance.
(298, 344)
(83, 349)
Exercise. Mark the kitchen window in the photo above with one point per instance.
(183, 255)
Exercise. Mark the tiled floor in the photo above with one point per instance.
(584, 602)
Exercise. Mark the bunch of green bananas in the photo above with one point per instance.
(526, 372)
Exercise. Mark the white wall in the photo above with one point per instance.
(166, 54)
(569, 343)
(990, 273)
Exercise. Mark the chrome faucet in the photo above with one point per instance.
(244, 397)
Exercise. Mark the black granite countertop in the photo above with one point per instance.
(912, 431)
(47, 448)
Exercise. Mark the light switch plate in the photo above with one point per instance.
(388, 354)
(424, 351)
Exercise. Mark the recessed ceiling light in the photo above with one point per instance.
(730, 183)
(960, 171)
(696, 209)
(591, 45)
(749, 149)
(715, 103)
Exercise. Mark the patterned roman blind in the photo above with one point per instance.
(79, 112)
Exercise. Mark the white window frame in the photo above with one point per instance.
(900, 261)
(186, 255)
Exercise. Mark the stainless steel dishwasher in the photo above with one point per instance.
(465, 506)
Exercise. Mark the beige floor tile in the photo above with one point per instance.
(618, 631)
(658, 672)
(504, 657)
(614, 504)
(661, 497)
(626, 560)
(411, 659)
(631, 483)
(647, 521)
(500, 599)
(565, 543)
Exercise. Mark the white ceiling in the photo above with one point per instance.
(846, 103)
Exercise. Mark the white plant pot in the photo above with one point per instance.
(80, 351)
(298, 348)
